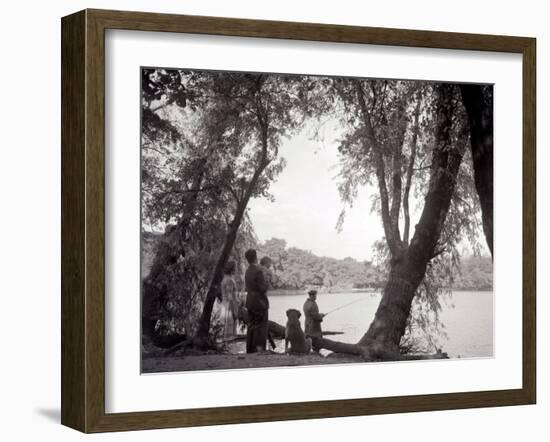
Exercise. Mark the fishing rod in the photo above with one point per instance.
(345, 305)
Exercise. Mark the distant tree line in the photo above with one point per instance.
(298, 269)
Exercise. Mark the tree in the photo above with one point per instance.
(231, 151)
(478, 101)
(247, 95)
(409, 263)
(183, 179)
(269, 107)
(377, 113)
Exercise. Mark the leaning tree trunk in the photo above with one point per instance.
(478, 101)
(409, 267)
(214, 289)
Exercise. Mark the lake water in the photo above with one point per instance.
(467, 317)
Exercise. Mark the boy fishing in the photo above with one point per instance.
(313, 320)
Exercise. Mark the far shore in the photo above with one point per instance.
(284, 292)
(336, 291)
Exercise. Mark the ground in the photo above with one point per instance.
(216, 361)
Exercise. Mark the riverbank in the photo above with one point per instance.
(213, 361)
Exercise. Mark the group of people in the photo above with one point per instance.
(255, 310)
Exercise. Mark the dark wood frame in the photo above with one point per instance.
(83, 216)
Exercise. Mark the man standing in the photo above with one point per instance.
(257, 304)
(313, 319)
(265, 265)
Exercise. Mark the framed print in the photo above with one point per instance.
(269, 220)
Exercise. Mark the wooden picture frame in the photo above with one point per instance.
(83, 220)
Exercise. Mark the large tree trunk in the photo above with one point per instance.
(408, 269)
(478, 101)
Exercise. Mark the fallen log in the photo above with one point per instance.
(274, 329)
(278, 330)
(279, 336)
(368, 355)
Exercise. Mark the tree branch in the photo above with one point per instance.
(397, 171)
(436, 253)
(154, 149)
(409, 175)
(380, 168)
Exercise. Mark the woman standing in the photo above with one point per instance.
(230, 302)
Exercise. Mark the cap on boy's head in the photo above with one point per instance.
(265, 261)
(251, 256)
(312, 292)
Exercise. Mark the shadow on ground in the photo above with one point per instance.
(51, 414)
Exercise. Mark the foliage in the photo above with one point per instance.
(209, 143)
(397, 156)
(424, 329)
(391, 138)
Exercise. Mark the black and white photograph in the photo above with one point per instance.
(273, 221)
(304, 220)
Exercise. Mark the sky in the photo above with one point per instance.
(307, 204)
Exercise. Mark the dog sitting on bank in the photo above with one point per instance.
(294, 334)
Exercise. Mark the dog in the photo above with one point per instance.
(294, 334)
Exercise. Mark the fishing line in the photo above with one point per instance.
(345, 305)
